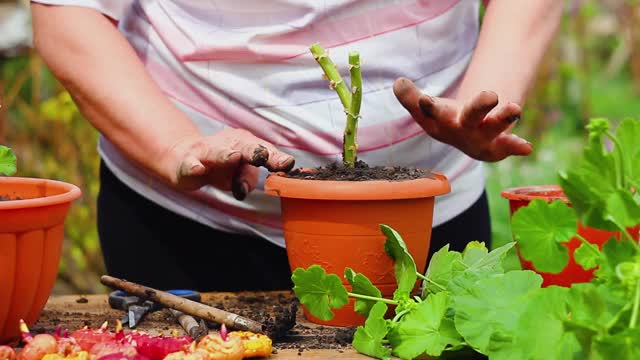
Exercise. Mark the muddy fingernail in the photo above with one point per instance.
(239, 189)
(260, 156)
(513, 118)
(287, 164)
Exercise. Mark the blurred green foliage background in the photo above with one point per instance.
(592, 69)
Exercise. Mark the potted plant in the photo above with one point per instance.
(32, 213)
(331, 214)
(557, 256)
(470, 305)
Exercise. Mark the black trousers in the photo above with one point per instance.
(145, 243)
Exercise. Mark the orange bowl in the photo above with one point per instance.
(31, 234)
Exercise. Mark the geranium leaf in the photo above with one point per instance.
(7, 161)
(493, 306)
(405, 267)
(628, 133)
(368, 339)
(540, 230)
(622, 209)
(441, 270)
(586, 257)
(318, 291)
(360, 284)
(614, 252)
(541, 322)
(420, 331)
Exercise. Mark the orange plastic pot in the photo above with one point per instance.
(335, 224)
(572, 273)
(31, 234)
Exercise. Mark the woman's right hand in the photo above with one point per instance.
(228, 160)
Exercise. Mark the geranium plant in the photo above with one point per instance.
(7, 161)
(469, 303)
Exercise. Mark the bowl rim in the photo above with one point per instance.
(71, 193)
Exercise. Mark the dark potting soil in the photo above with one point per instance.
(360, 172)
(278, 314)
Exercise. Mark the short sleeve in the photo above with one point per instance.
(113, 8)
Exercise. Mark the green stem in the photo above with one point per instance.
(399, 315)
(332, 74)
(636, 306)
(350, 146)
(373, 298)
(588, 245)
(620, 160)
(442, 288)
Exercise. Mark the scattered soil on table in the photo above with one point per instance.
(361, 172)
(278, 311)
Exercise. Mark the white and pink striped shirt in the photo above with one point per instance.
(245, 64)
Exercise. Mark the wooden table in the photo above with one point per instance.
(73, 312)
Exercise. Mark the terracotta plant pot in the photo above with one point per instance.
(335, 224)
(31, 234)
(572, 273)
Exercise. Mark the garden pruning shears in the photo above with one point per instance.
(137, 308)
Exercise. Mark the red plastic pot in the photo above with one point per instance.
(31, 234)
(572, 273)
(335, 224)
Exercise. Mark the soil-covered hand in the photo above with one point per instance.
(228, 159)
(479, 128)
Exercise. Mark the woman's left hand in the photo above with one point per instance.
(479, 128)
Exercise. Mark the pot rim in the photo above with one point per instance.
(279, 185)
(71, 193)
(532, 192)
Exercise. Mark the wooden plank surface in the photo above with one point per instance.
(75, 311)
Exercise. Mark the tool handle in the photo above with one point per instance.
(188, 323)
(186, 306)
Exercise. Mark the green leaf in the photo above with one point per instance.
(628, 133)
(421, 331)
(452, 270)
(318, 291)
(368, 339)
(540, 333)
(622, 209)
(614, 252)
(589, 182)
(441, 270)
(7, 161)
(405, 267)
(586, 257)
(541, 229)
(493, 306)
(360, 284)
(595, 307)
(623, 345)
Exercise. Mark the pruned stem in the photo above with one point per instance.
(350, 150)
(330, 70)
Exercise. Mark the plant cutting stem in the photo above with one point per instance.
(350, 146)
(335, 80)
(442, 288)
(373, 298)
(636, 306)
